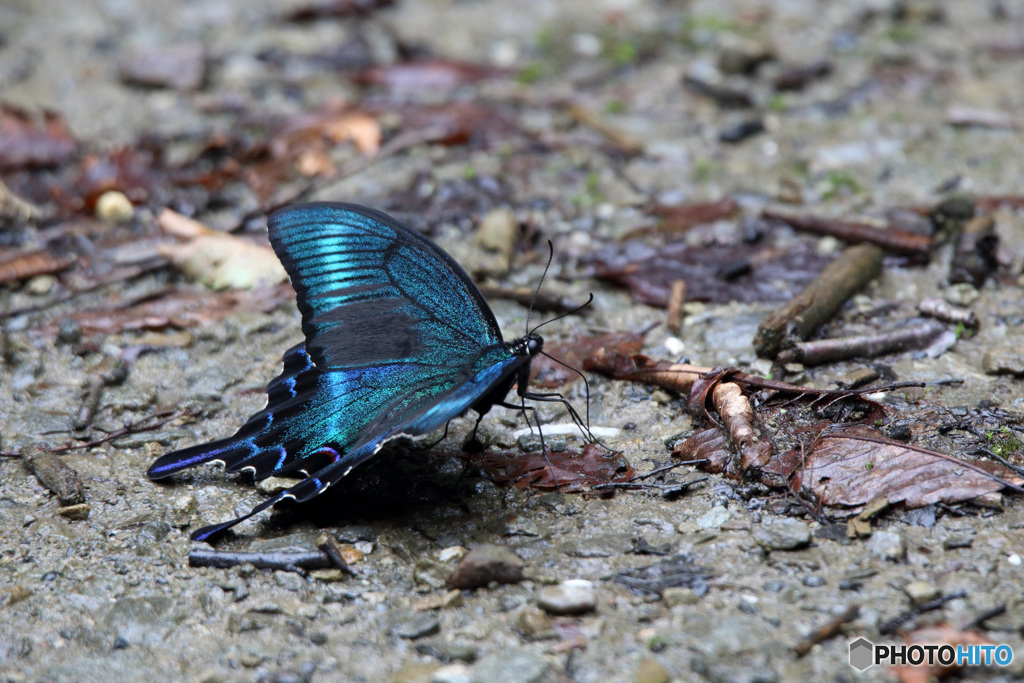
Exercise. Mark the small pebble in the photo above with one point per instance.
(575, 596)
(651, 671)
(961, 294)
(786, 534)
(40, 285)
(76, 512)
(921, 592)
(887, 544)
(417, 625)
(429, 574)
(114, 207)
(484, 564)
(814, 581)
(535, 624)
(453, 673)
(1004, 360)
(713, 518)
(679, 596)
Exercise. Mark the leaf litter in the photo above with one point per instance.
(842, 463)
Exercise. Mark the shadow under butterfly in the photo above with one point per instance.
(399, 341)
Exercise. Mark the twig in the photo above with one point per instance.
(329, 546)
(819, 301)
(675, 306)
(983, 617)
(621, 140)
(894, 624)
(974, 258)
(129, 428)
(865, 346)
(54, 474)
(1000, 459)
(826, 631)
(891, 239)
(298, 562)
(941, 309)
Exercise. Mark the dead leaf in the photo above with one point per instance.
(182, 67)
(178, 308)
(17, 265)
(28, 140)
(549, 374)
(679, 218)
(219, 260)
(565, 471)
(715, 273)
(848, 469)
(426, 75)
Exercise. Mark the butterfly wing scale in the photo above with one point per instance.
(398, 342)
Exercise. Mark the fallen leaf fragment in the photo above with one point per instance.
(179, 308)
(17, 265)
(549, 373)
(30, 140)
(219, 260)
(565, 471)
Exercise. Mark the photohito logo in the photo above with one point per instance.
(865, 654)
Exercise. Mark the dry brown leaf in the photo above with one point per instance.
(219, 260)
(17, 265)
(182, 308)
(361, 129)
(850, 468)
(566, 471)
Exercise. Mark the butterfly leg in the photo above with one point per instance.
(555, 397)
(543, 446)
(427, 447)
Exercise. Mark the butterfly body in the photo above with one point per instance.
(398, 342)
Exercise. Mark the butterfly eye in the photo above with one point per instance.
(534, 343)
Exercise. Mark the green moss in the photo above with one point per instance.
(531, 73)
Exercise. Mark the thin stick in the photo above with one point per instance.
(826, 631)
(819, 301)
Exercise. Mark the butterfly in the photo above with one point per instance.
(398, 341)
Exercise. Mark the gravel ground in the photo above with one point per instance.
(112, 597)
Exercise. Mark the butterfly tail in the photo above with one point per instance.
(241, 451)
(308, 488)
(224, 450)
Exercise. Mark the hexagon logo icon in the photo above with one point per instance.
(862, 654)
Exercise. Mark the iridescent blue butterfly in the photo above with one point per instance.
(398, 342)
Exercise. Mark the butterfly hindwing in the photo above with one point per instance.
(398, 341)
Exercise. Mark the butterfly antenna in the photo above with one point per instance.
(533, 299)
(590, 300)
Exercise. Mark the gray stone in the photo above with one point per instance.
(484, 564)
(887, 544)
(575, 596)
(713, 518)
(679, 596)
(785, 534)
(1004, 360)
(518, 666)
(921, 592)
(140, 620)
(430, 574)
(416, 625)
